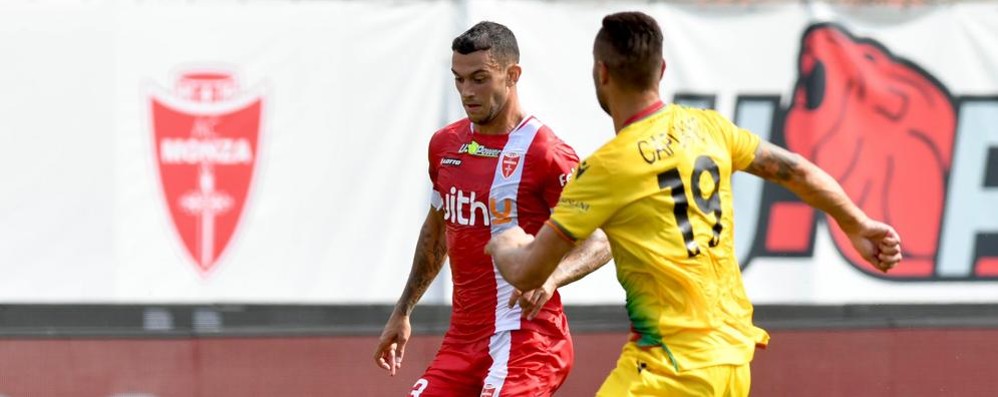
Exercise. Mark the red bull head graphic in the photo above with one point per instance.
(881, 126)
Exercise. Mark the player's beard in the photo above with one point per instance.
(483, 118)
(601, 98)
(498, 103)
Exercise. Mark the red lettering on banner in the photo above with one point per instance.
(986, 267)
(790, 227)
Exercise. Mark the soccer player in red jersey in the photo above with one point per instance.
(497, 169)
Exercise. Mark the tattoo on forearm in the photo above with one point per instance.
(430, 254)
(774, 164)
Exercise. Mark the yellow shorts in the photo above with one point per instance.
(647, 371)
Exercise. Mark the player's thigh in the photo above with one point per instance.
(739, 381)
(457, 370)
(647, 371)
(433, 385)
(725, 380)
(538, 364)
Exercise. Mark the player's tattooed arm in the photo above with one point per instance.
(877, 242)
(431, 250)
(585, 258)
(812, 184)
(775, 164)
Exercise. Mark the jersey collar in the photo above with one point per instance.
(526, 119)
(648, 111)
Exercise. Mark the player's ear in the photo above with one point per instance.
(661, 73)
(602, 72)
(513, 74)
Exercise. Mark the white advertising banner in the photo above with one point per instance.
(275, 151)
(216, 151)
(900, 105)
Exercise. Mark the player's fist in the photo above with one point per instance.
(513, 237)
(878, 244)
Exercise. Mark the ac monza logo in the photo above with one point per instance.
(509, 162)
(206, 134)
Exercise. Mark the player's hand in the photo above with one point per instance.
(532, 301)
(391, 345)
(513, 237)
(878, 243)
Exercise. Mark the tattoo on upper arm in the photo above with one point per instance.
(434, 250)
(774, 163)
(429, 259)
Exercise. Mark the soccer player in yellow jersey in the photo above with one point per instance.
(661, 191)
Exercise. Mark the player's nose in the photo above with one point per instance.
(465, 91)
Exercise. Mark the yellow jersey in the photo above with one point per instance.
(661, 191)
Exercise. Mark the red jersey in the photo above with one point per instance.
(486, 184)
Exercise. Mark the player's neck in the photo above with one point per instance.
(626, 106)
(508, 118)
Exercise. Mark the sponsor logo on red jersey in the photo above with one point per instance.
(465, 209)
(476, 149)
(567, 177)
(450, 162)
(206, 135)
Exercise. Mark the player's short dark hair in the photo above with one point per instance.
(486, 36)
(630, 45)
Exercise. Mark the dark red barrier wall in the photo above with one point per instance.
(888, 362)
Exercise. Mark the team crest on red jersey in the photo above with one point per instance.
(488, 391)
(509, 162)
(206, 134)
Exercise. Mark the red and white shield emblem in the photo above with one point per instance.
(509, 162)
(206, 140)
(488, 391)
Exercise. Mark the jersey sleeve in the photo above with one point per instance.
(561, 163)
(741, 143)
(436, 198)
(587, 201)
